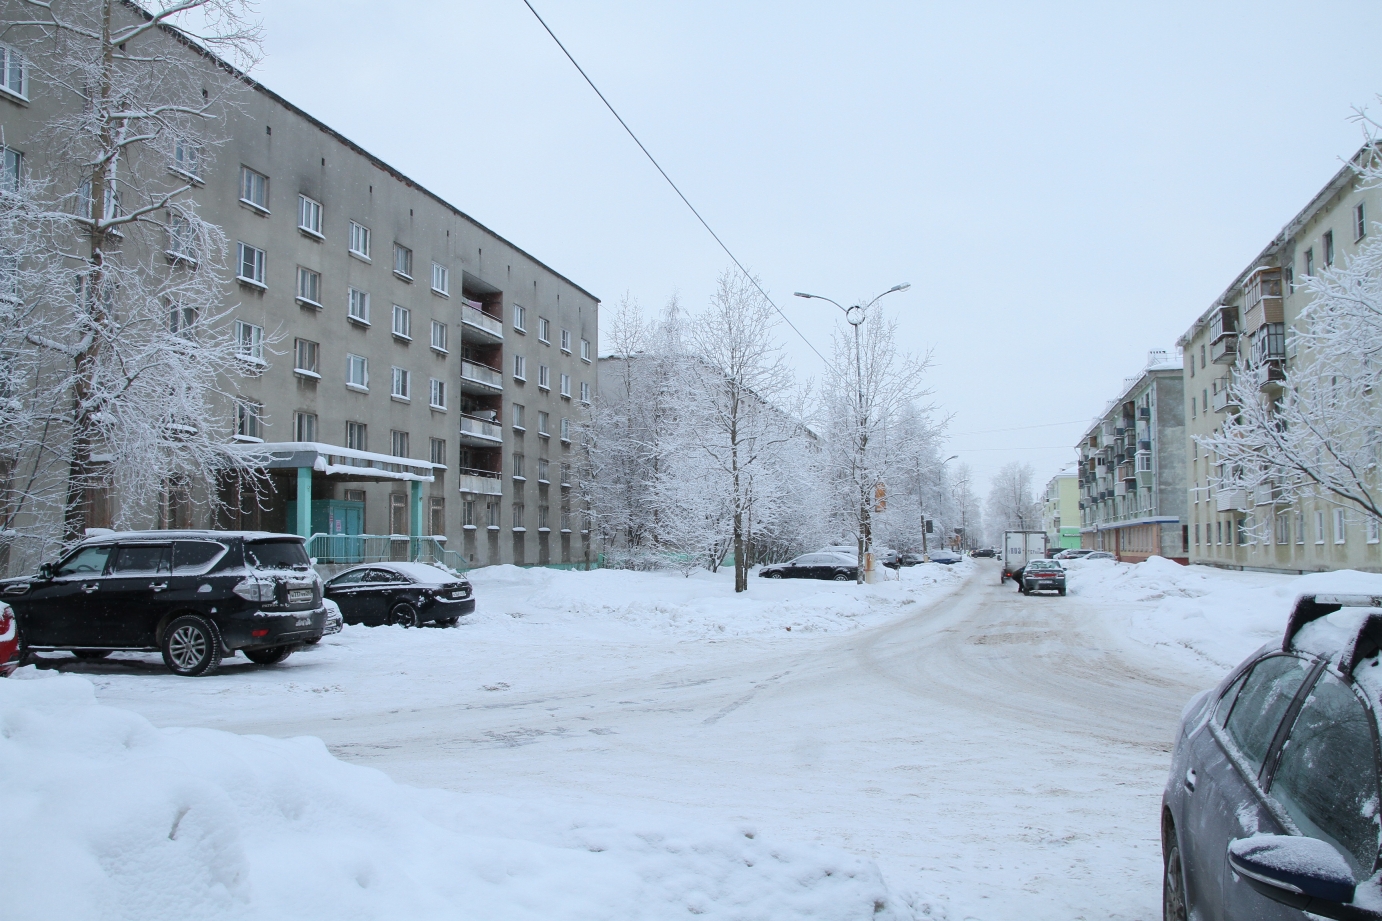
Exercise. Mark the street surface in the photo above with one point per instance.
(997, 756)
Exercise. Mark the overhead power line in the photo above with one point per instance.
(685, 200)
(1018, 428)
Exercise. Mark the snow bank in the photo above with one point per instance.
(1219, 616)
(110, 817)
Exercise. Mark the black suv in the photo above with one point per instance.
(193, 595)
(1272, 807)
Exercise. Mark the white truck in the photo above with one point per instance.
(1018, 548)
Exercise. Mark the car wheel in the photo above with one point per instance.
(268, 655)
(1002, 578)
(774, 575)
(312, 641)
(841, 577)
(448, 622)
(91, 654)
(1061, 592)
(1173, 907)
(191, 646)
(403, 614)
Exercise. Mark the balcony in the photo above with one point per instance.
(1262, 299)
(1144, 479)
(480, 482)
(1231, 500)
(1223, 322)
(1224, 351)
(1223, 401)
(477, 431)
(476, 377)
(473, 318)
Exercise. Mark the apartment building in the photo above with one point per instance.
(409, 371)
(1060, 511)
(1132, 468)
(1254, 316)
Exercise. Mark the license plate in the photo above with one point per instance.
(303, 622)
(300, 596)
(458, 594)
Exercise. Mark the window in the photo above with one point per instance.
(1268, 691)
(1144, 461)
(187, 157)
(565, 518)
(1193, 413)
(566, 386)
(309, 287)
(441, 279)
(585, 350)
(436, 394)
(439, 336)
(566, 341)
(357, 372)
(439, 451)
(1310, 261)
(542, 466)
(467, 513)
(520, 368)
(518, 416)
(359, 305)
(518, 516)
(181, 319)
(1339, 532)
(544, 330)
(518, 467)
(254, 188)
(398, 513)
(544, 377)
(1197, 534)
(305, 356)
(398, 446)
(1201, 354)
(542, 423)
(436, 515)
(1360, 223)
(304, 426)
(565, 429)
(250, 262)
(1300, 527)
(14, 71)
(585, 398)
(1327, 776)
(143, 560)
(309, 216)
(249, 342)
(248, 416)
(519, 315)
(1290, 280)
(492, 514)
(11, 168)
(1328, 241)
(1373, 530)
(359, 240)
(402, 322)
(403, 262)
(542, 518)
(400, 387)
(356, 440)
(565, 475)
(1283, 528)
(1319, 527)
(182, 242)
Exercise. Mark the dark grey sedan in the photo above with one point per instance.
(834, 566)
(1042, 576)
(408, 594)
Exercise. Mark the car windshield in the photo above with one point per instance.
(277, 554)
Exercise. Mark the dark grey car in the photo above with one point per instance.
(1271, 809)
(195, 596)
(1042, 576)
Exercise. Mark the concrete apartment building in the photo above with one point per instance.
(427, 372)
(1253, 316)
(1132, 468)
(1060, 511)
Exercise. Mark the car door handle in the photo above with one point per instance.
(91, 587)
(1190, 779)
(158, 586)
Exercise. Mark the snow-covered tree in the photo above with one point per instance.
(114, 284)
(1012, 501)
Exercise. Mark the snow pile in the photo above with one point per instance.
(119, 819)
(1220, 616)
(703, 605)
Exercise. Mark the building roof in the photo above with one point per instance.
(1158, 363)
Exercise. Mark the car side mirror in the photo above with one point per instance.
(1304, 873)
(45, 571)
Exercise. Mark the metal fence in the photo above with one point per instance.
(350, 549)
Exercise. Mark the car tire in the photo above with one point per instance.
(448, 622)
(90, 655)
(191, 646)
(774, 575)
(404, 615)
(1061, 592)
(268, 655)
(312, 641)
(841, 577)
(1173, 907)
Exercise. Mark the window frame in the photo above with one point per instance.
(519, 416)
(259, 263)
(400, 384)
(520, 319)
(520, 368)
(249, 348)
(356, 296)
(248, 187)
(8, 54)
(544, 377)
(303, 272)
(359, 234)
(435, 453)
(566, 341)
(249, 414)
(444, 289)
(544, 330)
(361, 362)
(357, 437)
(1360, 221)
(1340, 528)
(402, 330)
(402, 268)
(400, 439)
(440, 348)
(565, 390)
(298, 419)
(436, 387)
(309, 347)
(543, 419)
(310, 206)
(585, 350)
(585, 398)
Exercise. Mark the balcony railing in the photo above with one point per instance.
(477, 318)
(481, 428)
(1222, 401)
(350, 549)
(480, 482)
(1224, 351)
(482, 374)
(1229, 500)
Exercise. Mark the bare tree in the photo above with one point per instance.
(116, 282)
(1012, 502)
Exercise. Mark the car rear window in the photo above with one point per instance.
(142, 560)
(277, 554)
(195, 556)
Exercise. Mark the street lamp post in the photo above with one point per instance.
(855, 316)
(925, 553)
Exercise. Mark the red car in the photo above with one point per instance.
(9, 641)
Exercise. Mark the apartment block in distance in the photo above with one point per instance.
(429, 372)
(1060, 512)
(1132, 468)
(1263, 529)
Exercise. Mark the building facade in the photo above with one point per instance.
(1132, 468)
(1254, 316)
(410, 373)
(1060, 512)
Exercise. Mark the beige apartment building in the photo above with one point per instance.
(410, 373)
(1132, 468)
(1254, 315)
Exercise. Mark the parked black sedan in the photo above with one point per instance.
(408, 594)
(1042, 576)
(1271, 807)
(834, 566)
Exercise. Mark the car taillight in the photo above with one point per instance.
(258, 633)
(255, 590)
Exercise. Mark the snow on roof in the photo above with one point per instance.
(422, 573)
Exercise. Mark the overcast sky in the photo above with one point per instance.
(1066, 186)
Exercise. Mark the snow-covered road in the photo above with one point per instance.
(997, 756)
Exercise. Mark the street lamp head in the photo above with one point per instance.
(951, 458)
(803, 294)
(902, 287)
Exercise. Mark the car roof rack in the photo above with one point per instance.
(1367, 640)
